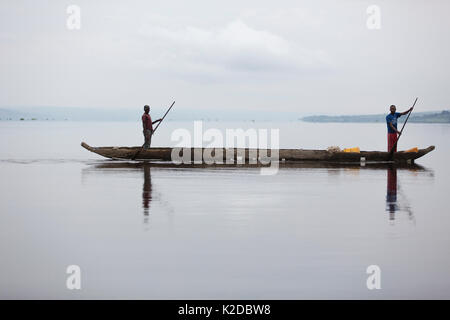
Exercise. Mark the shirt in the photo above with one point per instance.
(147, 121)
(392, 118)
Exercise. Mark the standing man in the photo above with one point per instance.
(391, 121)
(147, 125)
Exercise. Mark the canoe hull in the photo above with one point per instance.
(240, 155)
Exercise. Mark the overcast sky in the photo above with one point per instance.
(298, 56)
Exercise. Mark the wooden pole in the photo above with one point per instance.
(165, 114)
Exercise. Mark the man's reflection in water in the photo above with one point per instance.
(146, 192)
(391, 195)
(392, 204)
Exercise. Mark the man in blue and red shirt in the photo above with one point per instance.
(147, 125)
(391, 121)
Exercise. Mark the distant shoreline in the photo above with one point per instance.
(133, 115)
(421, 117)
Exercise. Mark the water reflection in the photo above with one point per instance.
(127, 168)
(147, 191)
(396, 200)
(391, 194)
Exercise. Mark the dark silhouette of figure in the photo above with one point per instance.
(147, 126)
(391, 194)
(147, 190)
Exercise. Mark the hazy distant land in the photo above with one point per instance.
(419, 117)
(187, 114)
(178, 113)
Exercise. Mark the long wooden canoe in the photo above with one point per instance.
(239, 155)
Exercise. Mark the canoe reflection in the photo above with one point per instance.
(395, 200)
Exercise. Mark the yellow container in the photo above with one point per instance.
(354, 150)
(413, 150)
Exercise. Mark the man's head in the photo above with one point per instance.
(393, 109)
(146, 109)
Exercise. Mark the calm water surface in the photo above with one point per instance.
(155, 232)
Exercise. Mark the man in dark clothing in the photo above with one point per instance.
(147, 125)
(391, 121)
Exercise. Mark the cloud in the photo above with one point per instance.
(234, 48)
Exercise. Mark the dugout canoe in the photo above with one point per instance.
(249, 155)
